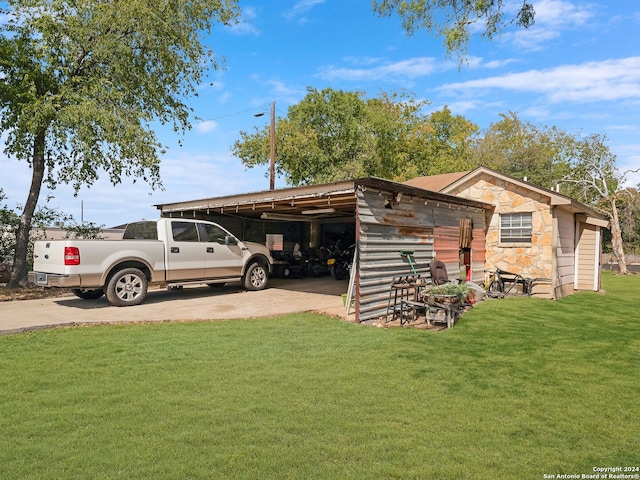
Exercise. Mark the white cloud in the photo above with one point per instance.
(278, 90)
(225, 97)
(206, 126)
(608, 80)
(461, 107)
(410, 68)
(298, 11)
(551, 19)
(245, 25)
(499, 63)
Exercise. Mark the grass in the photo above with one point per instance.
(519, 388)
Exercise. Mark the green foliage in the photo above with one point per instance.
(594, 177)
(43, 218)
(519, 387)
(596, 181)
(334, 135)
(448, 142)
(460, 290)
(629, 206)
(83, 81)
(455, 20)
(9, 222)
(521, 149)
(92, 76)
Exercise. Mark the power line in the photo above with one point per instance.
(265, 108)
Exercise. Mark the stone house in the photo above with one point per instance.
(531, 230)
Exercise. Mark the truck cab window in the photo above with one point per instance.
(141, 231)
(184, 232)
(215, 234)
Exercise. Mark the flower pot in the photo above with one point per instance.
(445, 299)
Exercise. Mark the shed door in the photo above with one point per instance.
(587, 257)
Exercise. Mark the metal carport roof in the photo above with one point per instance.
(302, 203)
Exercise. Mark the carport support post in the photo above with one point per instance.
(314, 234)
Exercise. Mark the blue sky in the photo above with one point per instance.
(578, 68)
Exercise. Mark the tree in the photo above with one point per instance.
(455, 20)
(629, 209)
(42, 218)
(9, 222)
(82, 82)
(334, 135)
(449, 139)
(599, 183)
(521, 149)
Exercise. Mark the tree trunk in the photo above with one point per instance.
(616, 240)
(19, 272)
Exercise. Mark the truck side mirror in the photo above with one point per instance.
(229, 240)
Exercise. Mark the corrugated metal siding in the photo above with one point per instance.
(478, 254)
(383, 234)
(447, 249)
(408, 226)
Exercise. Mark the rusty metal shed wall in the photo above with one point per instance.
(387, 226)
(447, 249)
(383, 234)
(478, 253)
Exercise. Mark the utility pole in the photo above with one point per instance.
(272, 146)
(272, 140)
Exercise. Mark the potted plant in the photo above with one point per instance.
(449, 292)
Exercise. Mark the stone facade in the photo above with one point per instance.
(533, 259)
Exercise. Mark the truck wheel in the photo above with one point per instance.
(256, 277)
(86, 294)
(127, 287)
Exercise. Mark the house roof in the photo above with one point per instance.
(447, 183)
(436, 183)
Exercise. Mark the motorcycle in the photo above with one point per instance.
(341, 260)
(316, 265)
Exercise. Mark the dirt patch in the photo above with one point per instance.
(31, 293)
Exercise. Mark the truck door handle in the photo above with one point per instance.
(175, 250)
(209, 249)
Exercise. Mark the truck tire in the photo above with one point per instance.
(87, 294)
(127, 287)
(256, 277)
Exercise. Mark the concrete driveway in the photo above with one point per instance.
(193, 303)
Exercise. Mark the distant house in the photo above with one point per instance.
(58, 232)
(531, 230)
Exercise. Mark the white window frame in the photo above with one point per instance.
(516, 228)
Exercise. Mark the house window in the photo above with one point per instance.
(515, 228)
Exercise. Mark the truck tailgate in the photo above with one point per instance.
(96, 256)
(49, 256)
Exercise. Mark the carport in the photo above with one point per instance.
(383, 217)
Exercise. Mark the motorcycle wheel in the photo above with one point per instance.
(337, 273)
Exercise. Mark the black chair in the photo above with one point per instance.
(438, 272)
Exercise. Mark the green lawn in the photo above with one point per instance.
(519, 388)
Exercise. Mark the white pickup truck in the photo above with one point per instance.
(168, 251)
